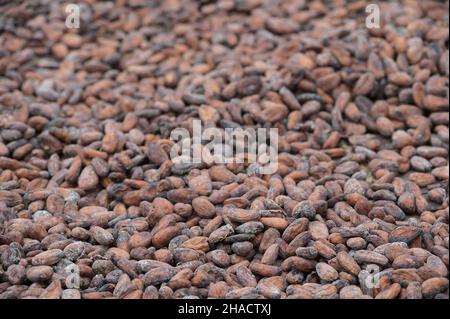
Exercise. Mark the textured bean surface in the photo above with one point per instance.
(92, 206)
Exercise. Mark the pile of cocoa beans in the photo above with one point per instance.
(92, 205)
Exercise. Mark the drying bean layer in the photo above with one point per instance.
(92, 206)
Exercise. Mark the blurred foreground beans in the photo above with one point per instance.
(92, 206)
